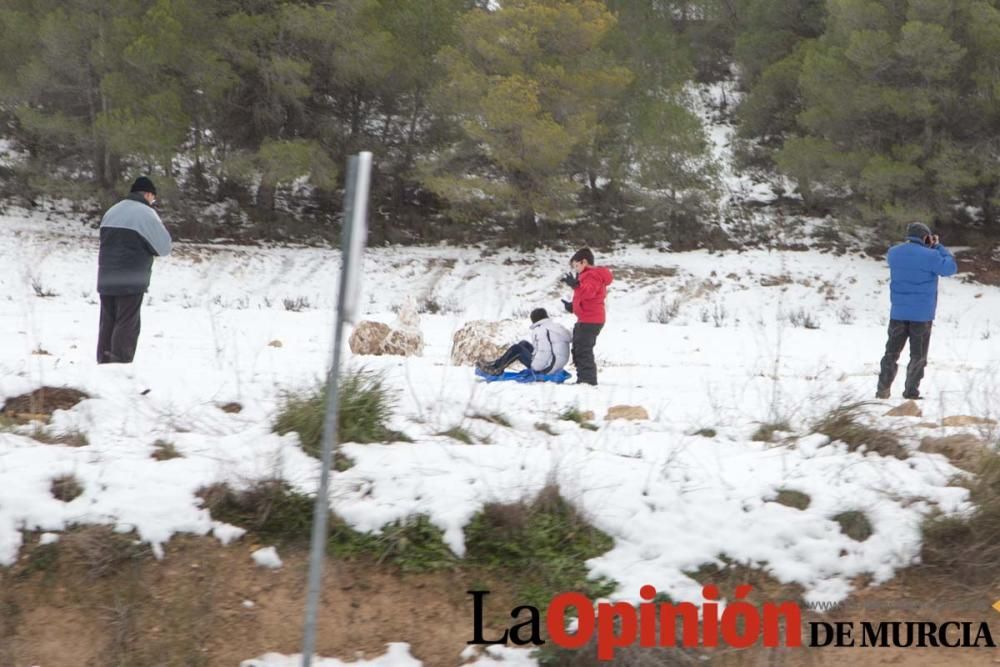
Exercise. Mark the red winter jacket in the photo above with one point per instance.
(588, 297)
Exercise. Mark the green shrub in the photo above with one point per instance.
(365, 406)
(792, 498)
(543, 545)
(268, 508)
(855, 525)
(458, 433)
(765, 432)
(413, 544)
(493, 418)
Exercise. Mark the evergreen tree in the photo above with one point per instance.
(651, 138)
(527, 85)
(887, 93)
(58, 94)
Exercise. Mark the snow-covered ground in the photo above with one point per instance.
(216, 329)
(398, 655)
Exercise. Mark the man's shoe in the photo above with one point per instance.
(912, 395)
(882, 393)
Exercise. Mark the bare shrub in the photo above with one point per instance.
(802, 318)
(296, 305)
(843, 423)
(101, 551)
(765, 432)
(66, 488)
(968, 547)
(164, 451)
(72, 438)
(664, 311)
(40, 290)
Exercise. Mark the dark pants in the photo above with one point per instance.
(119, 332)
(519, 351)
(584, 339)
(919, 335)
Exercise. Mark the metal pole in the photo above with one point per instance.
(353, 238)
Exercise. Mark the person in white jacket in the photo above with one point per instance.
(547, 352)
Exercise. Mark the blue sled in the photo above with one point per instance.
(527, 375)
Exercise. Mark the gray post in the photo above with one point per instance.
(353, 238)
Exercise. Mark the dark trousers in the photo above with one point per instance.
(919, 335)
(519, 351)
(584, 339)
(119, 332)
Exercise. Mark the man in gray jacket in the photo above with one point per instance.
(132, 234)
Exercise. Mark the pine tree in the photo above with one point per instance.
(894, 108)
(527, 85)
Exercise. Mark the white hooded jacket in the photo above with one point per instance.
(551, 342)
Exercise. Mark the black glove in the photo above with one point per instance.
(571, 280)
(568, 305)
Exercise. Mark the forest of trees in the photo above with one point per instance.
(520, 114)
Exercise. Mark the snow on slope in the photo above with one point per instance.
(730, 358)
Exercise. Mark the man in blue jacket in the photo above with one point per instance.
(914, 267)
(131, 236)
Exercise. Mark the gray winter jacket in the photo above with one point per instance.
(131, 236)
(551, 342)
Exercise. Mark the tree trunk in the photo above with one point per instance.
(355, 117)
(411, 131)
(266, 193)
(527, 229)
(595, 194)
(989, 210)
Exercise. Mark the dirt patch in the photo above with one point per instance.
(980, 265)
(643, 274)
(962, 449)
(205, 605)
(41, 403)
(775, 281)
(913, 596)
(629, 412)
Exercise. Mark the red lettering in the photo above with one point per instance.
(710, 617)
(647, 617)
(668, 624)
(772, 624)
(607, 639)
(555, 620)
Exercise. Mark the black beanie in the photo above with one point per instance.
(539, 314)
(583, 253)
(143, 184)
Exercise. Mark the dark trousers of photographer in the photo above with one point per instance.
(584, 339)
(919, 335)
(119, 329)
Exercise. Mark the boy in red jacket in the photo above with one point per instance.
(590, 288)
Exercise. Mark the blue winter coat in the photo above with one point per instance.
(914, 269)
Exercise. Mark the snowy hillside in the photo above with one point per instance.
(752, 337)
